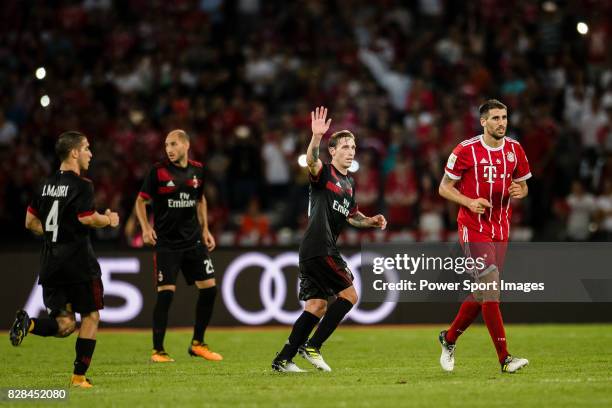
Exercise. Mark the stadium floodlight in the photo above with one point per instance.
(45, 101)
(582, 28)
(302, 160)
(354, 166)
(40, 73)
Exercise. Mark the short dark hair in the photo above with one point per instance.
(333, 140)
(490, 104)
(67, 142)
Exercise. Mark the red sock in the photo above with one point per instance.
(465, 316)
(493, 319)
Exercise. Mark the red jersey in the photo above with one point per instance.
(487, 172)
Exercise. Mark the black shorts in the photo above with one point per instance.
(194, 263)
(82, 297)
(323, 276)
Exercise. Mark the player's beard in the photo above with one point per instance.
(178, 159)
(497, 136)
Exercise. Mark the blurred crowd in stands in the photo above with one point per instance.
(242, 76)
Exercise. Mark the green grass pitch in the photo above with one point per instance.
(570, 366)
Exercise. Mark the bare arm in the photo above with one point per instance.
(312, 156)
(448, 190)
(33, 224)
(359, 220)
(202, 213)
(97, 220)
(148, 233)
(319, 127)
(202, 210)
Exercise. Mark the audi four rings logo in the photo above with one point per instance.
(273, 300)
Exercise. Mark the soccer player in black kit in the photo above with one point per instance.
(323, 272)
(182, 241)
(63, 212)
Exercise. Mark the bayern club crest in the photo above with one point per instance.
(510, 156)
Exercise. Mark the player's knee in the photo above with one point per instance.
(66, 328)
(93, 317)
(349, 294)
(205, 284)
(491, 296)
(317, 307)
(90, 321)
(351, 297)
(321, 309)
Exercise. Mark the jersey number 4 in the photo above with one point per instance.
(51, 224)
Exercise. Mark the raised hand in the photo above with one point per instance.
(319, 125)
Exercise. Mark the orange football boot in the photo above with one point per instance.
(161, 357)
(201, 350)
(80, 381)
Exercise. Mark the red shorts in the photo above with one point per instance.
(479, 245)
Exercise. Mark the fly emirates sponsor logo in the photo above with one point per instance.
(341, 208)
(185, 201)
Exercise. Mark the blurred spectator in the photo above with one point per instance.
(592, 120)
(254, 226)
(244, 171)
(8, 130)
(276, 167)
(604, 133)
(241, 77)
(604, 211)
(401, 193)
(431, 205)
(367, 190)
(577, 97)
(581, 205)
(394, 81)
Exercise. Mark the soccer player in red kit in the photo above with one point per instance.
(482, 175)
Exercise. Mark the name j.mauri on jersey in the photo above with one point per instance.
(50, 190)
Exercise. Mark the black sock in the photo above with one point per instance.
(299, 334)
(331, 320)
(44, 327)
(204, 309)
(160, 317)
(84, 350)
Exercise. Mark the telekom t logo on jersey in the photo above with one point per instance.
(490, 172)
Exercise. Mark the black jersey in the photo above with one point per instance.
(331, 202)
(174, 193)
(67, 255)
